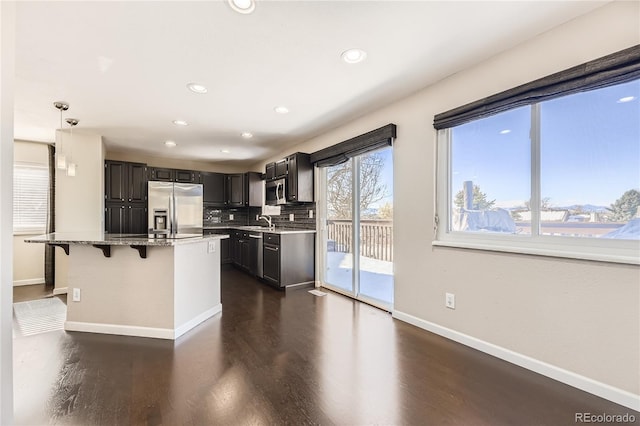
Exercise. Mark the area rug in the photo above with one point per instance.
(39, 316)
(317, 293)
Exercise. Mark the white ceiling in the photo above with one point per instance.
(123, 66)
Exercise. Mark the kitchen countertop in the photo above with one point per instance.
(281, 230)
(99, 238)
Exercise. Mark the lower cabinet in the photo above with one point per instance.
(271, 263)
(288, 259)
(125, 218)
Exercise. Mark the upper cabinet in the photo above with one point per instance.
(162, 174)
(187, 176)
(255, 189)
(125, 182)
(297, 172)
(236, 190)
(214, 188)
(173, 175)
(299, 178)
(125, 195)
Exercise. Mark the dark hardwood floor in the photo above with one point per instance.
(25, 293)
(283, 358)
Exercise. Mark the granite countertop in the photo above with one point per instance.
(98, 238)
(281, 230)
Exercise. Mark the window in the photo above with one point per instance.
(30, 190)
(556, 177)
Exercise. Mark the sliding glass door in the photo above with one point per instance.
(357, 227)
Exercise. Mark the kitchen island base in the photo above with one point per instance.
(165, 293)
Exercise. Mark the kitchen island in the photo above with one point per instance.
(138, 286)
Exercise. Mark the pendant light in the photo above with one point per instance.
(61, 158)
(71, 166)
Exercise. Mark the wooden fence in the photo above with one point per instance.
(376, 238)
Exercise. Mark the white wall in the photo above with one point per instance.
(579, 317)
(79, 199)
(7, 62)
(173, 163)
(28, 259)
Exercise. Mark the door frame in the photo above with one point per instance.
(321, 238)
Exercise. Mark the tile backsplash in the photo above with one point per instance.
(216, 216)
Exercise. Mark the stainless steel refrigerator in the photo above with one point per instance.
(175, 209)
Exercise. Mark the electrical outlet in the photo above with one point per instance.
(76, 295)
(450, 300)
(211, 248)
(291, 217)
(310, 214)
(231, 216)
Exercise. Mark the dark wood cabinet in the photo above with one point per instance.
(136, 221)
(299, 178)
(115, 216)
(174, 175)
(270, 171)
(125, 182)
(213, 188)
(254, 189)
(297, 171)
(125, 197)
(187, 176)
(282, 168)
(235, 190)
(162, 174)
(289, 259)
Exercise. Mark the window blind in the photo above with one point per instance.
(341, 152)
(30, 191)
(619, 67)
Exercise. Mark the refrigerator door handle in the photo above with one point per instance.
(173, 215)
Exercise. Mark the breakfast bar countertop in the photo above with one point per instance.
(100, 238)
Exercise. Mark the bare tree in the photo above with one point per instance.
(339, 186)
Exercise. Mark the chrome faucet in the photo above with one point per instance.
(268, 219)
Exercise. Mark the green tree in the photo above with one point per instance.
(625, 208)
(480, 201)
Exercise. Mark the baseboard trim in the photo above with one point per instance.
(60, 290)
(137, 331)
(30, 281)
(586, 384)
(122, 330)
(179, 331)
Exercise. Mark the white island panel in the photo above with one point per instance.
(197, 284)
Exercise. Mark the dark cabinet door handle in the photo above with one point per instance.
(122, 207)
(271, 248)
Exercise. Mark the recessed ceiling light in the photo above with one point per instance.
(243, 6)
(247, 135)
(197, 88)
(505, 131)
(225, 151)
(353, 56)
(626, 99)
(180, 123)
(170, 144)
(281, 109)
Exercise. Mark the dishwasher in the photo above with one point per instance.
(255, 254)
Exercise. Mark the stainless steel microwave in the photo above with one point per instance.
(275, 192)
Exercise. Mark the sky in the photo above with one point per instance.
(590, 150)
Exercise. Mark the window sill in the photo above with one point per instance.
(547, 252)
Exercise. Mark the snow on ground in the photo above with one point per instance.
(376, 276)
